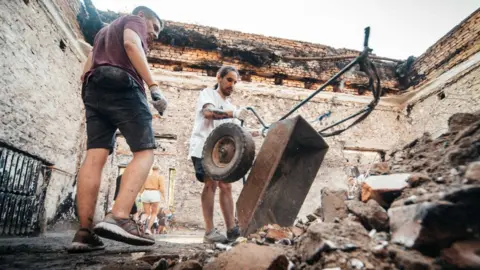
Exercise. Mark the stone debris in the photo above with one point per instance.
(417, 179)
(296, 231)
(188, 265)
(356, 264)
(371, 214)
(380, 168)
(247, 256)
(274, 235)
(473, 173)
(333, 205)
(454, 217)
(384, 188)
(465, 254)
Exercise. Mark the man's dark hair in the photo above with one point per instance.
(148, 13)
(223, 71)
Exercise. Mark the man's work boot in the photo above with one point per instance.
(233, 234)
(84, 241)
(123, 230)
(214, 236)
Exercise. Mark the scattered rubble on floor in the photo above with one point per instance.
(333, 205)
(418, 210)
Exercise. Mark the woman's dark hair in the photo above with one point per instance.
(223, 71)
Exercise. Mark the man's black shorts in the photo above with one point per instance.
(114, 100)
(199, 172)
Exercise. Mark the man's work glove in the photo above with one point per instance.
(159, 101)
(240, 114)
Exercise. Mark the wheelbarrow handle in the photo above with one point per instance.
(366, 37)
(258, 117)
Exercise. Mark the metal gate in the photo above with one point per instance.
(20, 197)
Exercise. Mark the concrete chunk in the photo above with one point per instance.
(384, 188)
(246, 256)
(473, 172)
(463, 254)
(371, 214)
(435, 225)
(333, 204)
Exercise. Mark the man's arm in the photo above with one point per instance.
(134, 49)
(210, 112)
(87, 66)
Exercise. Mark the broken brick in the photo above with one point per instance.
(277, 234)
(333, 204)
(384, 188)
(371, 214)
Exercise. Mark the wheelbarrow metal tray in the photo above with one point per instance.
(281, 175)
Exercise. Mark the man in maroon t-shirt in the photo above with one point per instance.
(114, 96)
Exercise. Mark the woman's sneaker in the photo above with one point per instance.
(123, 230)
(214, 236)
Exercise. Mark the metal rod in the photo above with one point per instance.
(340, 73)
(346, 119)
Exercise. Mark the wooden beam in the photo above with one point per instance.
(366, 148)
(338, 57)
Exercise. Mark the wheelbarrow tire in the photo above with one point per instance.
(241, 160)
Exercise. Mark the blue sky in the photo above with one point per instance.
(398, 28)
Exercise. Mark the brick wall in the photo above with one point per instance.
(297, 72)
(452, 80)
(456, 46)
(40, 105)
(460, 94)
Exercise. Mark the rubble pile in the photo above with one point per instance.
(418, 210)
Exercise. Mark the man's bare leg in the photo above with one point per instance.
(89, 178)
(226, 204)
(132, 181)
(208, 199)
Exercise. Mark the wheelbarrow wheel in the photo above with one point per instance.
(228, 153)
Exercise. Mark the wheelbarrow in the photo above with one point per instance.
(288, 161)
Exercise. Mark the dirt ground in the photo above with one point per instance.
(48, 252)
